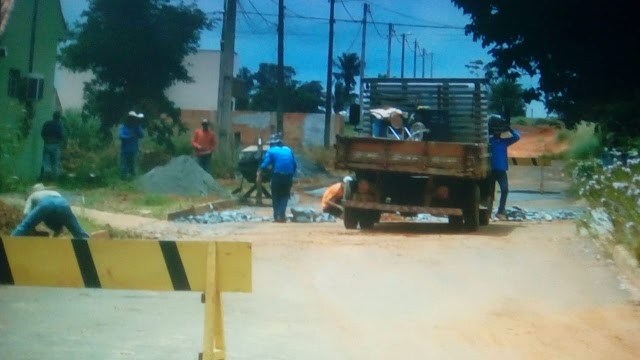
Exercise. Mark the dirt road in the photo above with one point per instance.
(511, 291)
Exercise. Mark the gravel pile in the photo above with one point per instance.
(516, 213)
(214, 217)
(217, 217)
(309, 169)
(181, 176)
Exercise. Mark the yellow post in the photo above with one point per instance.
(214, 346)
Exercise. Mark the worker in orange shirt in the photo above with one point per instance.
(332, 198)
(204, 143)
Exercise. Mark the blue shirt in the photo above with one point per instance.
(52, 132)
(129, 136)
(499, 160)
(282, 160)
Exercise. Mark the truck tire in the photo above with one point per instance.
(350, 218)
(485, 217)
(368, 219)
(456, 222)
(471, 210)
(487, 193)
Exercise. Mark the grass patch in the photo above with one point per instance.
(320, 155)
(584, 142)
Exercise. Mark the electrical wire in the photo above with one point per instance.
(446, 27)
(246, 16)
(347, 10)
(263, 18)
(354, 39)
(375, 26)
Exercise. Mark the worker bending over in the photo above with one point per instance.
(332, 198)
(49, 207)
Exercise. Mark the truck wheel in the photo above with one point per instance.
(350, 219)
(456, 221)
(471, 211)
(485, 217)
(368, 219)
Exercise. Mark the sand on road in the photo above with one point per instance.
(400, 291)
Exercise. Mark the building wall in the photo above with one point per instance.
(50, 28)
(200, 95)
(300, 130)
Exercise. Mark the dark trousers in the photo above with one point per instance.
(55, 212)
(280, 193)
(205, 162)
(503, 182)
(334, 211)
(127, 165)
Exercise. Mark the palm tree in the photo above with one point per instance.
(506, 99)
(348, 67)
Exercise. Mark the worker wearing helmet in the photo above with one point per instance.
(332, 198)
(499, 159)
(283, 164)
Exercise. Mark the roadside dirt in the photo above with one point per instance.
(10, 217)
(536, 141)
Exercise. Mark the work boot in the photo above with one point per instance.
(501, 217)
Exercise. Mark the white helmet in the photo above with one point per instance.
(347, 179)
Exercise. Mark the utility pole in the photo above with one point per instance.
(423, 56)
(389, 51)
(328, 107)
(415, 57)
(280, 105)
(404, 36)
(363, 61)
(225, 86)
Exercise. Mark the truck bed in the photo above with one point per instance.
(462, 160)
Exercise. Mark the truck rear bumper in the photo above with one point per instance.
(369, 205)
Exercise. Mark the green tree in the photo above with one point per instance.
(584, 53)
(243, 95)
(135, 49)
(506, 99)
(305, 97)
(348, 68)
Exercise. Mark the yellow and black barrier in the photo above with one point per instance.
(532, 161)
(208, 267)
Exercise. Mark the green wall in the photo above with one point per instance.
(50, 28)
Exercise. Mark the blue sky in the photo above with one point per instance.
(306, 40)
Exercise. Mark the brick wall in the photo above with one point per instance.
(300, 130)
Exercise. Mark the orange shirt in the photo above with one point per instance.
(334, 194)
(204, 142)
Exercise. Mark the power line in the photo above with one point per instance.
(246, 17)
(375, 26)
(263, 18)
(445, 27)
(354, 39)
(347, 10)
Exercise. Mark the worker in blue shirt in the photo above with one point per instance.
(129, 133)
(499, 159)
(283, 164)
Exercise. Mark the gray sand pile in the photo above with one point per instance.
(309, 169)
(181, 176)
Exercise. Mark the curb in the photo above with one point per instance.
(627, 264)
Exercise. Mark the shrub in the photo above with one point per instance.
(616, 189)
(584, 142)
